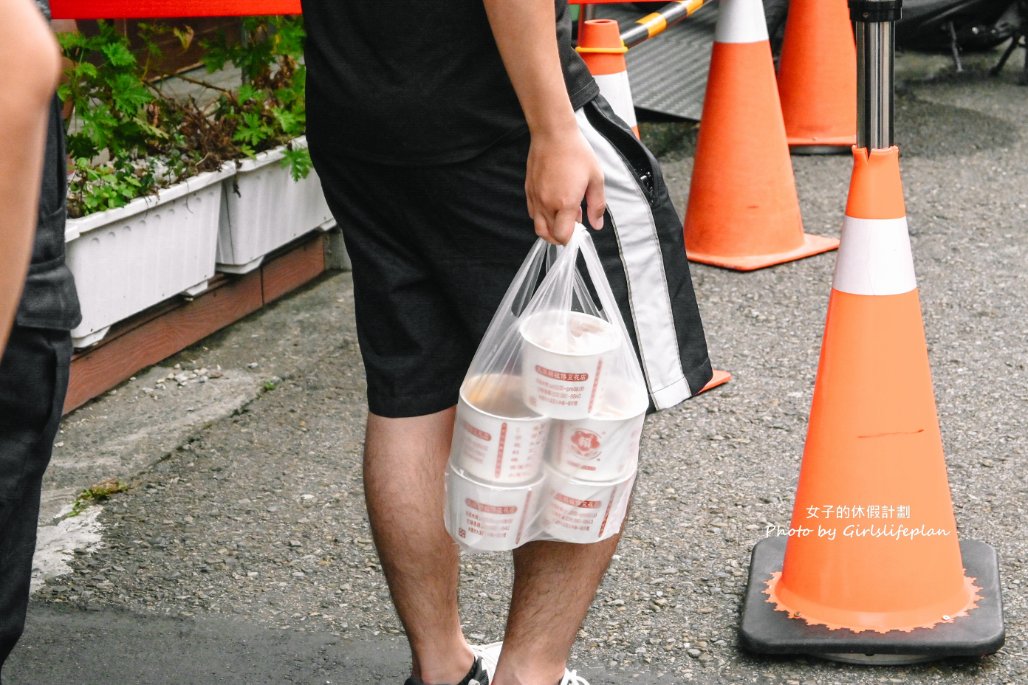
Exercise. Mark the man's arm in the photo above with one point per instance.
(562, 168)
(29, 66)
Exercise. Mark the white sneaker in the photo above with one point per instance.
(572, 678)
(490, 655)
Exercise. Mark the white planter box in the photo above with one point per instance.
(133, 257)
(264, 208)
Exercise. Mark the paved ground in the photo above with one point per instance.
(240, 553)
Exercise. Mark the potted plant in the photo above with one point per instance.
(274, 196)
(143, 200)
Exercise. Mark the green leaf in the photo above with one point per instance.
(247, 93)
(287, 121)
(118, 54)
(71, 41)
(299, 162)
(128, 95)
(84, 70)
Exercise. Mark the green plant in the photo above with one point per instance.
(268, 108)
(94, 494)
(126, 139)
(112, 100)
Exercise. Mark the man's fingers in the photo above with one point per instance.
(563, 225)
(542, 229)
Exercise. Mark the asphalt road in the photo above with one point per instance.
(240, 551)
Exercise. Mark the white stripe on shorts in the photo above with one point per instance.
(649, 299)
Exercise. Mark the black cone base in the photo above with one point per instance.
(765, 630)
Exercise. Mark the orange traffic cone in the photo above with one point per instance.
(817, 77)
(873, 443)
(603, 51)
(743, 211)
(871, 567)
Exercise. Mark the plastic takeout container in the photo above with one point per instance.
(562, 361)
(487, 517)
(604, 446)
(575, 510)
(496, 438)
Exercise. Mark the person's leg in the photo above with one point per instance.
(415, 352)
(33, 380)
(554, 584)
(427, 282)
(404, 463)
(17, 545)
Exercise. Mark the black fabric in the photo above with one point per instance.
(409, 82)
(49, 299)
(33, 382)
(435, 248)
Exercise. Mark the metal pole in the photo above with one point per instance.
(657, 22)
(875, 34)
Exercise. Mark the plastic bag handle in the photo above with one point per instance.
(583, 243)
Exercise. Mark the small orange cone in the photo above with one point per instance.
(884, 553)
(718, 379)
(743, 211)
(603, 51)
(817, 77)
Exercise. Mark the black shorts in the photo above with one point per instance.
(435, 248)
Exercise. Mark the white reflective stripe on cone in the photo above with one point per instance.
(649, 299)
(874, 258)
(616, 89)
(740, 21)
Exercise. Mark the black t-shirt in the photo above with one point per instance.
(415, 82)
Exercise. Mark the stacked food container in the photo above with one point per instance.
(548, 450)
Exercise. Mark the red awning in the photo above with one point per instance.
(145, 9)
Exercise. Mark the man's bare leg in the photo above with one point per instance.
(554, 585)
(404, 464)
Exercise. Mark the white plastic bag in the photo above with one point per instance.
(546, 435)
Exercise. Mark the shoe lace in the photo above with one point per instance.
(572, 678)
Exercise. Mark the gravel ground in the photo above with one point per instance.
(259, 515)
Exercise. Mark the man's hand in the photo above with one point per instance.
(562, 169)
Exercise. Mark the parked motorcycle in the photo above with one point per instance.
(961, 26)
